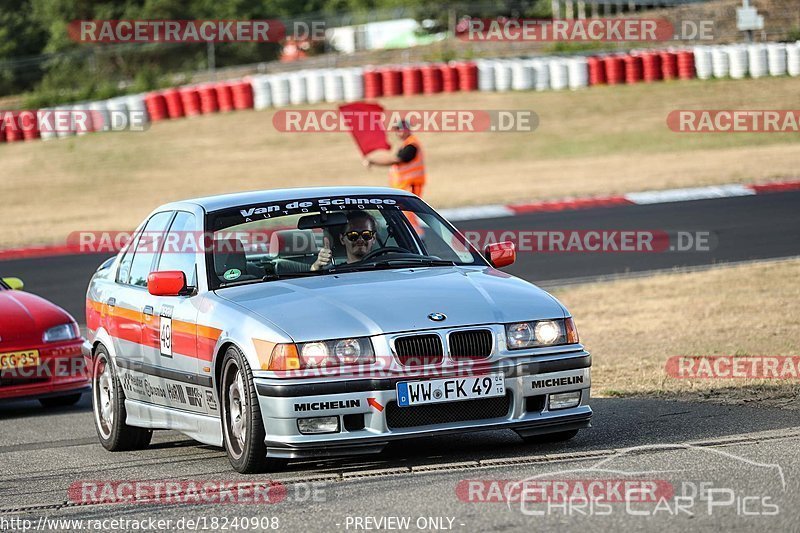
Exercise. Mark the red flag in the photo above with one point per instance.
(366, 125)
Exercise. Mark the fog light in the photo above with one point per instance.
(322, 424)
(564, 400)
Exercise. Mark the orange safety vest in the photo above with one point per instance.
(411, 175)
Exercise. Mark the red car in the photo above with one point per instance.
(40, 349)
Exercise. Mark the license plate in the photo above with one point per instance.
(450, 390)
(19, 359)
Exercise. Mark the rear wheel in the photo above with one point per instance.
(242, 426)
(108, 404)
(61, 401)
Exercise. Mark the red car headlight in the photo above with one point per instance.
(62, 332)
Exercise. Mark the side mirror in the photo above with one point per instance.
(167, 283)
(500, 254)
(14, 283)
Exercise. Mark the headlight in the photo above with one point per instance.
(547, 332)
(314, 354)
(519, 335)
(64, 332)
(347, 351)
(540, 333)
(355, 351)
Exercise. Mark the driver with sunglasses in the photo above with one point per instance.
(357, 238)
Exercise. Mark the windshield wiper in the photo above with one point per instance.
(290, 275)
(390, 263)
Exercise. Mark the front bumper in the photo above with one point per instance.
(62, 371)
(367, 408)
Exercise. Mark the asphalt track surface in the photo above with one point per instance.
(735, 467)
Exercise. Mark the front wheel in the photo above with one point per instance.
(108, 404)
(242, 426)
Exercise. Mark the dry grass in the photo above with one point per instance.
(633, 326)
(597, 141)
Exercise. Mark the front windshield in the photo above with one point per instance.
(319, 236)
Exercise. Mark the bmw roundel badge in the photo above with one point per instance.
(437, 317)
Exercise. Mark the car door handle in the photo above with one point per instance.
(148, 310)
(112, 302)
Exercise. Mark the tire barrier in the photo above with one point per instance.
(541, 74)
(502, 75)
(43, 115)
(757, 60)
(279, 89)
(29, 123)
(522, 76)
(412, 80)
(87, 125)
(776, 59)
(313, 86)
(738, 61)
(208, 99)
(720, 62)
(190, 98)
(224, 97)
(13, 131)
(634, 69)
(353, 79)
(450, 78)
(156, 105)
(669, 65)
(102, 118)
(685, 65)
(334, 86)
(651, 67)
(174, 103)
(432, 79)
(262, 92)
(467, 76)
(615, 69)
(597, 72)
(578, 68)
(392, 81)
(793, 59)
(373, 84)
(485, 75)
(559, 74)
(118, 107)
(703, 62)
(297, 88)
(242, 95)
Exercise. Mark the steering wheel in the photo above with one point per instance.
(384, 251)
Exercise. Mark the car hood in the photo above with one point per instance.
(391, 301)
(26, 317)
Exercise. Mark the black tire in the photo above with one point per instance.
(247, 452)
(561, 436)
(114, 434)
(60, 401)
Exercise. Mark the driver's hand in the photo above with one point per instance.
(323, 257)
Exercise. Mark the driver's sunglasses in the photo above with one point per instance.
(353, 236)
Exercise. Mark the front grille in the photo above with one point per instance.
(472, 344)
(443, 413)
(419, 350)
